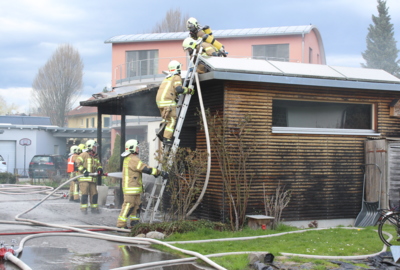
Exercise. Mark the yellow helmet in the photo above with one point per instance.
(174, 67)
(81, 147)
(192, 24)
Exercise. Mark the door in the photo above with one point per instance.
(7, 150)
(394, 173)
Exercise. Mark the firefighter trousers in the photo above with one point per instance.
(87, 189)
(169, 116)
(129, 210)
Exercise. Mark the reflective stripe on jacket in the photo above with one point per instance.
(166, 94)
(86, 160)
(132, 175)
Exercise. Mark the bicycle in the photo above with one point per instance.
(392, 218)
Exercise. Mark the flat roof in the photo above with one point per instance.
(298, 73)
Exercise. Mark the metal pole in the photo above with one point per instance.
(24, 160)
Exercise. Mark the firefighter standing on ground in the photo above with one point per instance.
(205, 33)
(87, 163)
(73, 170)
(167, 94)
(132, 185)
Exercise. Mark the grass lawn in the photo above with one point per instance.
(337, 241)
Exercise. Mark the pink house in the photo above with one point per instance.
(145, 56)
(139, 60)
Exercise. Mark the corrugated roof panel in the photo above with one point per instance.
(241, 65)
(291, 30)
(366, 74)
(306, 70)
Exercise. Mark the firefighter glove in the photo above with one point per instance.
(164, 175)
(191, 89)
(85, 173)
(100, 171)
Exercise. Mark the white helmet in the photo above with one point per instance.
(130, 147)
(174, 67)
(189, 43)
(192, 24)
(90, 144)
(74, 149)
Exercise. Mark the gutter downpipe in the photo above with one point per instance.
(302, 47)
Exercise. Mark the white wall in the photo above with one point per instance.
(42, 142)
(152, 128)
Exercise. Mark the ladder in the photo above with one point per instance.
(181, 110)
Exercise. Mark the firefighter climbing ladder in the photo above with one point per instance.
(182, 107)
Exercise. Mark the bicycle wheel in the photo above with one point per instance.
(392, 222)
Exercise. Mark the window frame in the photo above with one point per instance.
(329, 131)
(134, 67)
(273, 58)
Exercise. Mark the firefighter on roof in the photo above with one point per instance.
(190, 45)
(196, 31)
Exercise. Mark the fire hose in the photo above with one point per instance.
(11, 255)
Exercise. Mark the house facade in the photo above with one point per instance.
(86, 117)
(22, 137)
(139, 60)
(310, 127)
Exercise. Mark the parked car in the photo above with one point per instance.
(3, 165)
(46, 166)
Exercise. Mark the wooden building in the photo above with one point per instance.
(310, 127)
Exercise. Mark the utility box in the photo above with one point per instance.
(256, 222)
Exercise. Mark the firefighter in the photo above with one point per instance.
(167, 94)
(132, 185)
(190, 45)
(197, 32)
(87, 163)
(73, 170)
(81, 148)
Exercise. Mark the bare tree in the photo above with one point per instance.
(233, 146)
(174, 21)
(274, 205)
(6, 108)
(59, 83)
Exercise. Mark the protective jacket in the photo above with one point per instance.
(169, 88)
(132, 171)
(86, 161)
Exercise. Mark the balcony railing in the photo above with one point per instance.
(147, 71)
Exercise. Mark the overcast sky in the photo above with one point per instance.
(31, 30)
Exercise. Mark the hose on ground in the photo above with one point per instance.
(132, 240)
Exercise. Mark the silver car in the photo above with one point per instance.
(3, 165)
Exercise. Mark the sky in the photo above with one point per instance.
(30, 31)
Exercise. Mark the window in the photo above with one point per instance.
(92, 122)
(321, 117)
(106, 122)
(276, 52)
(141, 63)
(310, 55)
(87, 122)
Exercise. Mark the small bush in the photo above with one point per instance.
(7, 178)
(177, 227)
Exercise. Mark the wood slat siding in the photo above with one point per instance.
(322, 171)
